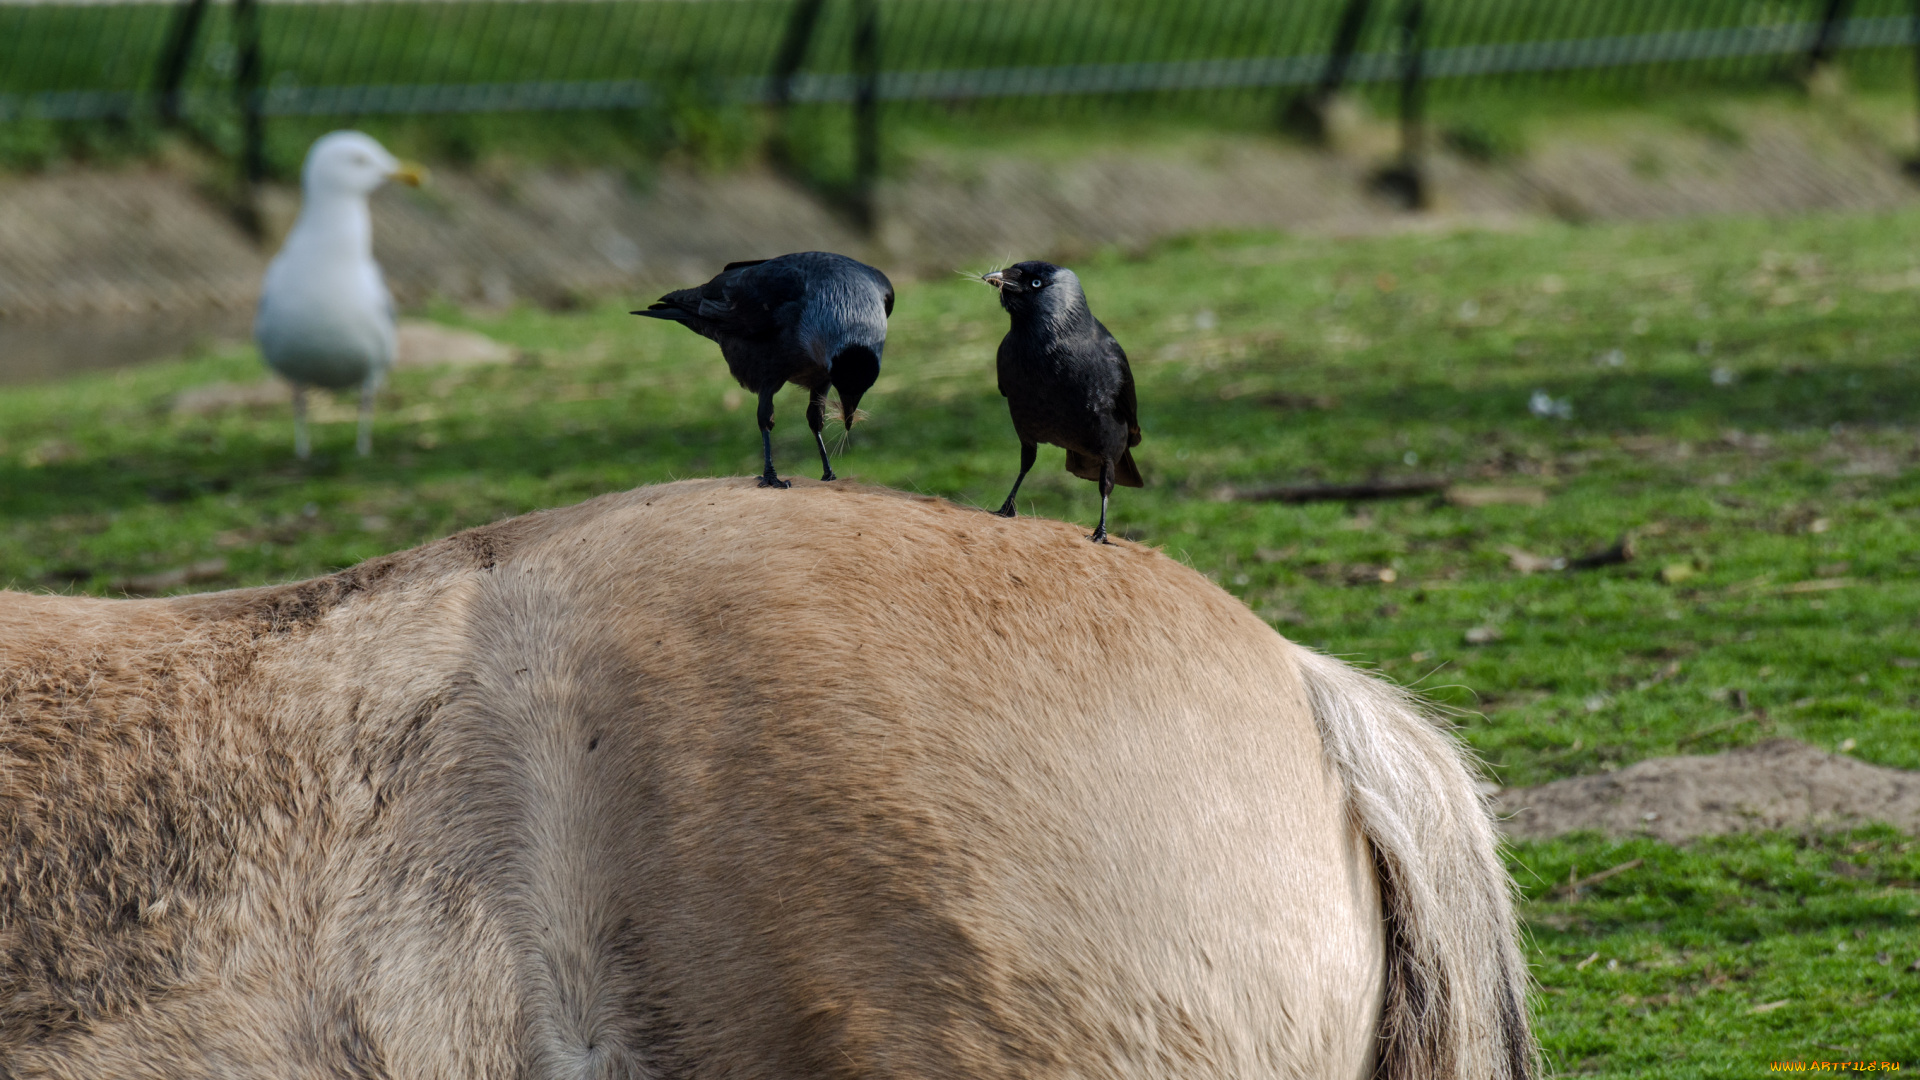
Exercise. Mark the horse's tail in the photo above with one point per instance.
(1456, 981)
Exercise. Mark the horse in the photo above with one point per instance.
(706, 780)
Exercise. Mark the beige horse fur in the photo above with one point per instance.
(706, 780)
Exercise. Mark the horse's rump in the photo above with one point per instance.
(705, 780)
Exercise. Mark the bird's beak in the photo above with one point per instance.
(997, 279)
(410, 174)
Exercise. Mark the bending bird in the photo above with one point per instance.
(814, 319)
(1066, 381)
(325, 316)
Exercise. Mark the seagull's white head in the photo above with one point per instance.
(350, 163)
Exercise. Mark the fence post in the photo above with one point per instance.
(1408, 177)
(866, 110)
(174, 56)
(786, 64)
(1306, 113)
(1912, 165)
(246, 86)
(1826, 39)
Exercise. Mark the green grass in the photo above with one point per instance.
(694, 56)
(1719, 958)
(1743, 401)
(319, 44)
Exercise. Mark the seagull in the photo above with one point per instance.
(326, 317)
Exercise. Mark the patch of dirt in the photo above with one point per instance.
(1782, 164)
(428, 344)
(53, 345)
(212, 399)
(421, 344)
(149, 239)
(145, 241)
(1778, 784)
(168, 267)
(557, 238)
(124, 243)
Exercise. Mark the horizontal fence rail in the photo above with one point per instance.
(94, 59)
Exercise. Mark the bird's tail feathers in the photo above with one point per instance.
(673, 307)
(681, 305)
(1087, 467)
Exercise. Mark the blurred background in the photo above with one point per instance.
(1555, 357)
(586, 148)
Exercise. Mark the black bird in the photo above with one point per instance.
(1066, 381)
(814, 319)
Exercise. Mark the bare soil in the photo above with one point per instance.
(152, 248)
(1778, 784)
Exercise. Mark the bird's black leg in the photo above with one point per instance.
(817, 419)
(1106, 488)
(1028, 451)
(769, 478)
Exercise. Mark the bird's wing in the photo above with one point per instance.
(763, 298)
(1129, 407)
(1125, 404)
(382, 296)
(1004, 367)
(742, 301)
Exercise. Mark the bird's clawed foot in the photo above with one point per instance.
(828, 477)
(1006, 510)
(772, 481)
(1100, 537)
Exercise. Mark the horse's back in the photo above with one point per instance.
(917, 791)
(707, 780)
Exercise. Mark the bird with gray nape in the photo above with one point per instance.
(326, 318)
(813, 318)
(1066, 381)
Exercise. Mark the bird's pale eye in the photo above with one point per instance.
(1037, 283)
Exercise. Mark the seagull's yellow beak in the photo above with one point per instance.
(411, 174)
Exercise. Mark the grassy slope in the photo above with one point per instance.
(1754, 425)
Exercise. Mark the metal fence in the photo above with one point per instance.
(249, 61)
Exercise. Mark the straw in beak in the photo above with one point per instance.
(997, 279)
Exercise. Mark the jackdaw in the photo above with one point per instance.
(814, 319)
(1066, 381)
